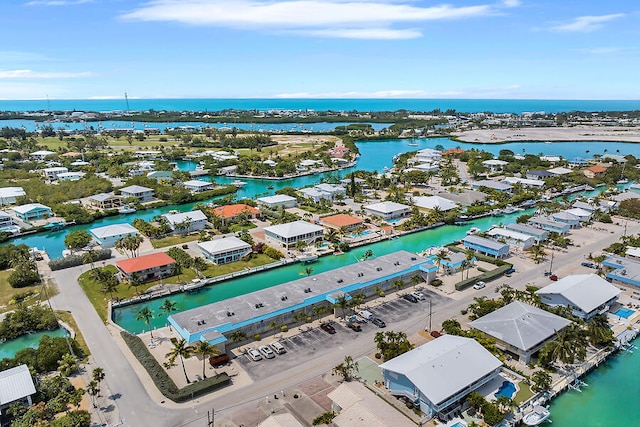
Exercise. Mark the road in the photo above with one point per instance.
(137, 407)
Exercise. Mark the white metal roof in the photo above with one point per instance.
(387, 207)
(510, 234)
(15, 383)
(585, 291)
(293, 229)
(494, 162)
(278, 198)
(431, 202)
(101, 197)
(196, 215)
(12, 192)
(445, 366)
(223, 245)
(526, 229)
(520, 325)
(560, 171)
(496, 185)
(197, 183)
(135, 189)
(487, 243)
(113, 230)
(29, 207)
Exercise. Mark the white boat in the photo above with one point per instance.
(622, 181)
(307, 257)
(239, 183)
(510, 209)
(537, 416)
(473, 230)
(126, 209)
(413, 144)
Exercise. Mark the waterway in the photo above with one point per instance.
(612, 398)
(10, 348)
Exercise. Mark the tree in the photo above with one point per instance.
(204, 349)
(324, 418)
(238, 336)
(168, 307)
(307, 271)
(67, 365)
(347, 368)
(146, 315)
(398, 284)
(537, 253)
(442, 255)
(541, 380)
(135, 280)
(77, 239)
(343, 302)
(90, 257)
(109, 285)
(391, 344)
(415, 279)
(600, 334)
(452, 327)
(367, 254)
(182, 350)
(318, 311)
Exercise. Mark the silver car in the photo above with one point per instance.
(254, 354)
(266, 352)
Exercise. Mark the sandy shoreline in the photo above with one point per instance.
(578, 133)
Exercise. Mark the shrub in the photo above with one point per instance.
(272, 253)
(22, 277)
(256, 337)
(284, 328)
(162, 380)
(76, 260)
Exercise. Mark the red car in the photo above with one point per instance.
(328, 328)
(553, 277)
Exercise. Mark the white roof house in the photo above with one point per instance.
(197, 186)
(582, 214)
(494, 185)
(8, 195)
(16, 384)
(108, 235)
(144, 194)
(441, 371)
(225, 250)
(41, 154)
(277, 201)
(520, 328)
(432, 202)
(284, 419)
(32, 211)
(387, 210)
(567, 218)
(287, 235)
(197, 220)
(560, 171)
(521, 240)
(70, 176)
(524, 182)
(586, 294)
(315, 194)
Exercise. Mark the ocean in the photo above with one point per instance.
(261, 104)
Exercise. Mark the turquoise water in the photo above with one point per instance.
(507, 389)
(611, 399)
(624, 312)
(10, 348)
(322, 104)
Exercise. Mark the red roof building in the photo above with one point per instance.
(342, 220)
(147, 267)
(231, 211)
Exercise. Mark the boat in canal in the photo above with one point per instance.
(537, 416)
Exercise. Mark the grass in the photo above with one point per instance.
(174, 240)
(68, 318)
(241, 227)
(523, 394)
(7, 292)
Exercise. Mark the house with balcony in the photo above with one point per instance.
(585, 294)
(105, 201)
(539, 235)
(512, 237)
(573, 221)
(32, 211)
(41, 154)
(186, 222)
(277, 201)
(70, 176)
(197, 186)
(143, 194)
(8, 195)
(108, 235)
(339, 221)
(434, 202)
(486, 246)
(549, 225)
(146, 267)
(225, 250)
(286, 236)
(16, 386)
(231, 212)
(388, 210)
(455, 262)
(52, 173)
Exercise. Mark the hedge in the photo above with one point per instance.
(485, 277)
(162, 380)
(76, 260)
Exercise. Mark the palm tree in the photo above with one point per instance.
(541, 380)
(343, 302)
(415, 279)
(307, 271)
(599, 331)
(146, 315)
(168, 307)
(441, 256)
(90, 257)
(358, 299)
(367, 254)
(238, 336)
(135, 280)
(464, 266)
(182, 350)
(318, 311)
(537, 253)
(204, 349)
(273, 325)
(109, 285)
(398, 284)
(347, 368)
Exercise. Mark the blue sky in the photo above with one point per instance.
(505, 49)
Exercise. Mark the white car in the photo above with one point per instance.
(419, 295)
(479, 285)
(266, 352)
(254, 354)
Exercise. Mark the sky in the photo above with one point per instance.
(484, 49)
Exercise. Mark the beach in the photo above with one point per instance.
(576, 134)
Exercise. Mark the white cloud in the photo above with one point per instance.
(30, 74)
(16, 55)
(363, 19)
(585, 24)
(57, 2)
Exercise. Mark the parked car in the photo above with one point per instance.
(378, 322)
(278, 348)
(510, 271)
(588, 264)
(219, 360)
(254, 354)
(366, 315)
(266, 352)
(479, 285)
(410, 298)
(354, 326)
(419, 295)
(436, 334)
(328, 328)
(554, 277)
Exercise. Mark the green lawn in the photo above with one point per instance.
(7, 292)
(523, 394)
(68, 318)
(235, 228)
(174, 240)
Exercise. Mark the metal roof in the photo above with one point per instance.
(585, 291)
(487, 243)
(223, 245)
(113, 230)
(178, 218)
(15, 383)
(525, 229)
(387, 207)
(293, 229)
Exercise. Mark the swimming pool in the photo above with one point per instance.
(364, 233)
(624, 312)
(507, 389)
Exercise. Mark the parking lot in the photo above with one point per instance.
(308, 342)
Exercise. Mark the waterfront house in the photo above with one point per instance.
(428, 155)
(225, 250)
(502, 187)
(539, 235)
(388, 210)
(438, 375)
(578, 162)
(566, 217)
(196, 186)
(549, 225)
(32, 211)
(309, 164)
(585, 294)
(314, 194)
(520, 329)
(108, 235)
(467, 198)
(356, 405)
(455, 262)
(524, 182)
(147, 267)
(433, 202)
(346, 182)
(338, 221)
(16, 386)
(160, 175)
(70, 176)
(486, 246)
(143, 194)
(5, 219)
(539, 174)
(41, 155)
(186, 222)
(286, 236)
(277, 201)
(105, 201)
(52, 173)
(8, 195)
(332, 189)
(512, 237)
(231, 212)
(251, 313)
(582, 214)
(625, 271)
(595, 171)
(495, 165)
(559, 171)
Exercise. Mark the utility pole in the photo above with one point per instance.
(211, 417)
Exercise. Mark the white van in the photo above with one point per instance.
(366, 315)
(277, 347)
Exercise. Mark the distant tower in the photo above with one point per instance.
(126, 98)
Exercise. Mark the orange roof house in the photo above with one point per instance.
(148, 267)
(342, 220)
(232, 211)
(594, 171)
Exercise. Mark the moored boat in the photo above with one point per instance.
(307, 257)
(126, 209)
(239, 183)
(537, 416)
(473, 230)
